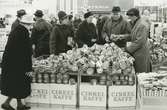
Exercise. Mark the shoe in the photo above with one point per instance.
(23, 107)
(7, 107)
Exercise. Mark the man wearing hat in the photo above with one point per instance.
(86, 33)
(19, 15)
(61, 38)
(139, 47)
(17, 65)
(40, 35)
(115, 27)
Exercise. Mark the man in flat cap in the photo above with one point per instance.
(40, 35)
(115, 27)
(20, 14)
(86, 33)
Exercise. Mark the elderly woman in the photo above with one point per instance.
(138, 47)
(17, 65)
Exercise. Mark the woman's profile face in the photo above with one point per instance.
(132, 18)
(89, 19)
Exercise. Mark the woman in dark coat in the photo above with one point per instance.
(86, 33)
(100, 23)
(17, 65)
(20, 13)
(61, 39)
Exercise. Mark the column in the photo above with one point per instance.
(75, 6)
(62, 5)
(68, 6)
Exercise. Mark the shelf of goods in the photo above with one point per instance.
(158, 44)
(152, 90)
(95, 77)
(3, 38)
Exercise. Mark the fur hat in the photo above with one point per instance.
(62, 15)
(86, 15)
(133, 12)
(116, 9)
(21, 12)
(38, 13)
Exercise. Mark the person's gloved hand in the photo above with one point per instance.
(93, 40)
(29, 74)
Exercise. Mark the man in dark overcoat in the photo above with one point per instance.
(40, 35)
(17, 65)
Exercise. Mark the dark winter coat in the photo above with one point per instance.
(118, 27)
(85, 33)
(40, 37)
(99, 25)
(59, 39)
(139, 48)
(15, 24)
(16, 62)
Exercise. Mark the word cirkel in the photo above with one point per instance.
(45, 91)
(122, 96)
(57, 94)
(92, 96)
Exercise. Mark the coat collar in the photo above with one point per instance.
(120, 19)
(133, 23)
(136, 23)
(40, 20)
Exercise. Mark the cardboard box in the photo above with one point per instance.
(63, 94)
(92, 95)
(122, 96)
(40, 93)
(155, 99)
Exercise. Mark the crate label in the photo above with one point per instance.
(63, 94)
(155, 93)
(40, 93)
(122, 96)
(92, 95)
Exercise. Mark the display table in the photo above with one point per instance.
(101, 76)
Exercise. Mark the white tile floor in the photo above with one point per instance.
(47, 107)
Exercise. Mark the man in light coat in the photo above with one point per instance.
(116, 26)
(138, 47)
